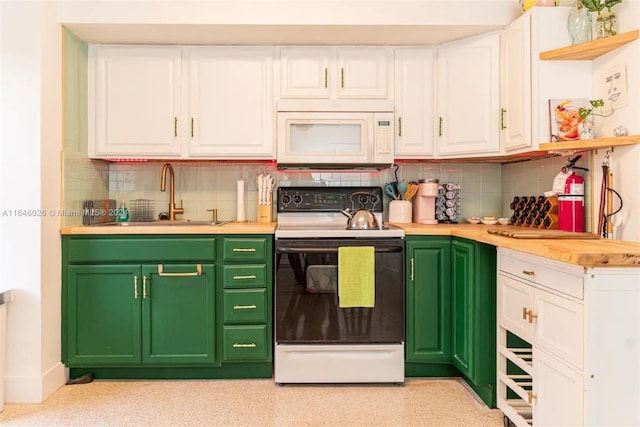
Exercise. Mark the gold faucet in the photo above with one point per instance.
(173, 211)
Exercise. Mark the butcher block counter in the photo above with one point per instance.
(232, 227)
(591, 252)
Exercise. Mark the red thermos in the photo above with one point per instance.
(571, 204)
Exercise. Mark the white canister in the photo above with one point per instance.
(400, 211)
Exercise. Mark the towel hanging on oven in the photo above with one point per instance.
(356, 276)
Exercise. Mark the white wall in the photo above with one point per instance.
(30, 114)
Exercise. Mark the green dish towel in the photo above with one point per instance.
(356, 276)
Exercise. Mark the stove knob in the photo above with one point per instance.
(373, 200)
(286, 199)
(297, 199)
(362, 199)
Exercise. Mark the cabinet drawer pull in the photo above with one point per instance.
(144, 287)
(529, 273)
(502, 126)
(249, 345)
(342, 77)
(245, 277)
(326, 71)
(531, 395)
(245, 307)
(399, 126)
(135, 287)
(175, 127)
(532, 316)
(198, 272)
(440, 126)
(244, 249)
(524, 313)
(191, 127)
(412, 269)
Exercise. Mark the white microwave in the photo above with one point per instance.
(334, 140)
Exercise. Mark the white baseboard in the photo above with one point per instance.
(35, 389)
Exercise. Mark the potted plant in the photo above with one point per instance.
(587, 126)
(606, 21)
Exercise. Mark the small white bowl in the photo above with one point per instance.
(473, 220)
(489, 221)
(504, 221)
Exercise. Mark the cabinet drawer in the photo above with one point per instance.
(245, 249)
(245, 342)
(515, 299)
(141, 250)
(560, 277)
(244, 276)
(245, 305)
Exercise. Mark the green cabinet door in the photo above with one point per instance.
(474, 315)
(428, 299)
(178, 314)
(103, 315)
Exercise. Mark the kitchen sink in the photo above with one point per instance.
(162, 223)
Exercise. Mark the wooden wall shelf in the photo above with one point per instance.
(591, 144)
(591, 49)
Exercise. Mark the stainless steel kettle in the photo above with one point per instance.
(361, 219)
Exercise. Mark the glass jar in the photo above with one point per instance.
(587, 131)
(606, 25)
(579, 23)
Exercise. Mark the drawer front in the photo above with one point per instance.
(245, 306)
(560, 277)
(244, 276)
(245, 343)
(142, 250)
(515, 299)
(560, 327)
(245, 249)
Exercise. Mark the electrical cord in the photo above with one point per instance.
(606, 217)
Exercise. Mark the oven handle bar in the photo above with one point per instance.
(324, 250)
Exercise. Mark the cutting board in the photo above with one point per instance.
(542, 234)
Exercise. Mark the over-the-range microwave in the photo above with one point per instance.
(335, 140)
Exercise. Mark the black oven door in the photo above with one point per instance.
(306, 299)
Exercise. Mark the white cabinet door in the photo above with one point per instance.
(515, 85)
(134, 101)
(414, 102)
(304, 71)
(467, 94)
(363, 71)
(515, 299)
(559, 392)
(231, 105)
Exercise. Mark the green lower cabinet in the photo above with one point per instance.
(245, 342)
(103, 309)
(178, 314)
(473, 339)
(245, 305)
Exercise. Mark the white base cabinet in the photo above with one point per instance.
(568, 342)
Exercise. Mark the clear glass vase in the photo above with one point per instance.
(587, 131)
(606, 25)
(579, 23)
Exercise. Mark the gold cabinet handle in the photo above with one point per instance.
(440, 126)
(399, 126)
(191, 127)
(135, 287)
(524, 313)
(502, 126)
(245, 307)
(529, 272)
(248, 345)
(175, 126)
(531, 395)
(412, 262)
(342, 77)
(245, 277)
(532, 316)
(244, 249)
(326, 76)
(144, 287)
(198, 272)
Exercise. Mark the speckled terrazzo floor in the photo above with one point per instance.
(420, 402)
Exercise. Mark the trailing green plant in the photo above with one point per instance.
(595, 103)
(599, 5)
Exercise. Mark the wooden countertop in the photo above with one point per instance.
(587, 253)
(228, 228)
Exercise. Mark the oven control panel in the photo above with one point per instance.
(328, 199)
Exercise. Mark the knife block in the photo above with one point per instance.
(265, 212)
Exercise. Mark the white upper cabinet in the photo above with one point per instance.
(467, 94)
(414, 102)
(230, 102)
(330, 78)
(515, 88)
(213, 102)
(134, 101)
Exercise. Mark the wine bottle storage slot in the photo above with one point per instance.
(535, 212)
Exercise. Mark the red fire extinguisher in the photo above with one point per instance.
(571, 204)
